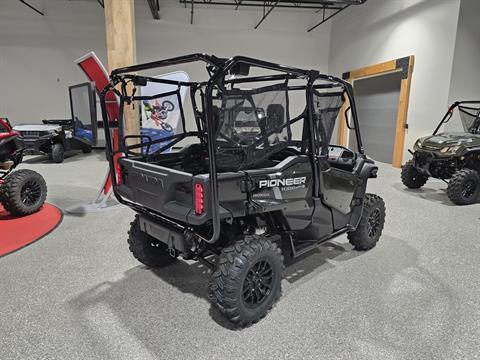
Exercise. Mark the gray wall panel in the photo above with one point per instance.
(377, 106)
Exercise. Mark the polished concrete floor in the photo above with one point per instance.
(79, 294)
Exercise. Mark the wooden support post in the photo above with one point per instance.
(402, 115)
(121, 49)
(342, 130)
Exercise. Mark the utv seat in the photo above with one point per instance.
(275, 116)
(252, 158)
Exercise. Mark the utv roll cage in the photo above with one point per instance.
(316, 132)
(466, 108)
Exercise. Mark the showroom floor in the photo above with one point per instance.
(79, 294)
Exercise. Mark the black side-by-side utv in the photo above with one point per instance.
(452, 156)
(22, 192)
(250, 181)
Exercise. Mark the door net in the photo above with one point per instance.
(326, 106)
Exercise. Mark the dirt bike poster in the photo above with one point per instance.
(161, 117)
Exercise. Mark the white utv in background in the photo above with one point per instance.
(56, 137)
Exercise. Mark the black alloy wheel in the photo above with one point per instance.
(468, 189)
(258, 283)
(31, 193)
(370, 227)
(373, 223)
(464, 187)
(247, 281)
(23, 192)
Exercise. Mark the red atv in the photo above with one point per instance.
(22, 192)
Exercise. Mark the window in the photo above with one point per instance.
(253, 124)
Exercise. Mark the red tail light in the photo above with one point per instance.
(119, 174)
(118, 168)
(199, 208)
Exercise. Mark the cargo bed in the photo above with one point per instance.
(170, 192)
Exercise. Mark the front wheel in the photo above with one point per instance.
(464, 187)
(166, 126)
(411, 177)
(23, 192)
(58, 153)
(146, 249)
(371, 223)
(247, 281)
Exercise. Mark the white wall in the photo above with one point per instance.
(281, 38)
(225, 32)
(465, 84)
(383, 30)
(37, 53)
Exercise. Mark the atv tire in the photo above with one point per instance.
(87, 149)
(411, 178)
(58, 153)
(371, 224)
(146, 249)
(247, 281)
(464, 187)
(166, 126)
(23, 192)
(168, 105)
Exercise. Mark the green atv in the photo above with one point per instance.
(453, 156)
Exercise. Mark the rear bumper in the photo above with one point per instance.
(174, 239)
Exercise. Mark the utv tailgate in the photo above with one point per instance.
(170, 192)
(158, 188)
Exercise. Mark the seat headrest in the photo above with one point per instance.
(275, 115)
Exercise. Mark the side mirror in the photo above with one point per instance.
(347, 114)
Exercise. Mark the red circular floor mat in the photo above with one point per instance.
(17, 232)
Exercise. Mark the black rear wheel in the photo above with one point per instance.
(247, 281)
(371, 223)
(24, 192)
(87, 149)
(166, 126)
(411, 177)
(147, 249)
(464, 187)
